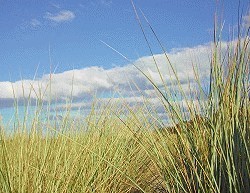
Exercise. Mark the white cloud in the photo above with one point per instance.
(83, 83)
(62, 16)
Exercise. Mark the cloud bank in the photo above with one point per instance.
(83, 84)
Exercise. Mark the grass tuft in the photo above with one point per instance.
(123, 148)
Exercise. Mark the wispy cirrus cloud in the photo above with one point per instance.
(32, 24)
(35, 23)
(95, 3)
(61, 16)
(106, 2)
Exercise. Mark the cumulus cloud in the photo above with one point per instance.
(81, 84)
(62, 16)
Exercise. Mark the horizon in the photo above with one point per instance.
(66, 38)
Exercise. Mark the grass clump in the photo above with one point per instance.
(101, 157)
(119, 149)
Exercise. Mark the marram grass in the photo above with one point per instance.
(119, 149)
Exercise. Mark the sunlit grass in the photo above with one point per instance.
(124, 148)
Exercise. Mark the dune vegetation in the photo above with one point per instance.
(123, 148)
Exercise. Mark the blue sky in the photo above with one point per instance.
(28, 31)
(68, 35)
